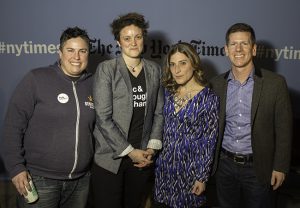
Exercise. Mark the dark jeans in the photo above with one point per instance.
(237, 186)
(126, 189)
(59, 193)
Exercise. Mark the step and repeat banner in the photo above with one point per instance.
(30, 31)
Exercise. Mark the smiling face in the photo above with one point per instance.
(131, 41)
(181, 68)
(74, 56)
(240, 50)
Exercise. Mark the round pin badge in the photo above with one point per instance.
(63, 98)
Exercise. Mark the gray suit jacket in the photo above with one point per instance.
(113, 100)
(271, 122)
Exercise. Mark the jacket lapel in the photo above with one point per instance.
(122, 68)
(223, 95)
(148, 70)
(258, 83)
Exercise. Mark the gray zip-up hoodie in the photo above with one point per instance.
(49, 124)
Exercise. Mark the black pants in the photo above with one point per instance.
(126, 189)
(156, 204)
(237, 186)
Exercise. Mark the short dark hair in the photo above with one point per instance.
(128, 19)
(73, 32)
(241, 27)
(190, 52)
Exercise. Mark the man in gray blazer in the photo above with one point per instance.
(255, 131)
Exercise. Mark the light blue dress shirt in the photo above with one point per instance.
(237, 134)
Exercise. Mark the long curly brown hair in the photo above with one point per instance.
(187, 49)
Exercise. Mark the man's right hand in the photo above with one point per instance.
(20, 181)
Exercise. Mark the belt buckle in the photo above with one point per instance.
(236, 159)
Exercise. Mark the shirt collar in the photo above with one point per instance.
(231, 77)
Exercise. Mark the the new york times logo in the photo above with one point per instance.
(156, 49)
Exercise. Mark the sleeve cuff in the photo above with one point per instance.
(154, 144)
(126, 151)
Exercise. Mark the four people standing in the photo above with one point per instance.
(254, 145)
(50, 119)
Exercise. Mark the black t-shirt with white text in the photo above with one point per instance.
(139, 93)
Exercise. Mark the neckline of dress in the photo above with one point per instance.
(189, 101)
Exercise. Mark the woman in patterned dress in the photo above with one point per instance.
(190, 131)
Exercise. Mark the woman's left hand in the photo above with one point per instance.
(151, 153)
(198, 188)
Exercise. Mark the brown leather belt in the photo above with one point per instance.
(238, 158)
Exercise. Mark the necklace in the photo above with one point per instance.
(133, 67)
(180, 101)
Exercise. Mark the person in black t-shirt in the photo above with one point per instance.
(128, 101)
